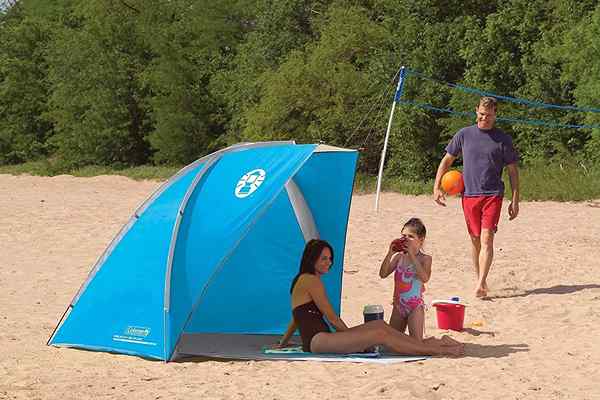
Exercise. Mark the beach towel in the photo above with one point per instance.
(295, 353)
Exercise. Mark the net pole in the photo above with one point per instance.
(399, 90)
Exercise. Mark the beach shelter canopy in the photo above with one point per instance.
(208, 259)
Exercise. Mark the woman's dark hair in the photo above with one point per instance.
(417, 225)
(312, 252)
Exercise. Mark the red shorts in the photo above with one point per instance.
(482, 212)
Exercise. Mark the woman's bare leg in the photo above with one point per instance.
(354, 340)
(373, 333)
(405, 344)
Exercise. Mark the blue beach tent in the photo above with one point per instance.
(204, 266)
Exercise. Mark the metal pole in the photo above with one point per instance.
(397, 96)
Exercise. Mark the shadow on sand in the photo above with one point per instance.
(557, 289)
(476, 332)
(493, 350)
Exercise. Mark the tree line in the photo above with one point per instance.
(132, 82)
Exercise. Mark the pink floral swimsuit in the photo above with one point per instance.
(408, 289)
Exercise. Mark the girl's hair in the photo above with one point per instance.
(417, 225)
(312, 252)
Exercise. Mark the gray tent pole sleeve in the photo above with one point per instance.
(302, 211)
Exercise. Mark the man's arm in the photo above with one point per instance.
(513, 175)
(445, 164)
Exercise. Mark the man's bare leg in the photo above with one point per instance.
(475, 253)
(486, 255)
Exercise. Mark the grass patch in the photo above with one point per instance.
(45, 168)
(39, 168)
(557, 181)
(138, 173)
(540, 181)
(368, 184)
(364, 183)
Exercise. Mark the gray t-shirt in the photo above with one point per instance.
(484, 153)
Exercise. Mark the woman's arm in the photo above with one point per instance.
(422, 267)
(288, 333)
(389, 263)
(317, 292)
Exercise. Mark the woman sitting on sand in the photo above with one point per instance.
(310, 304)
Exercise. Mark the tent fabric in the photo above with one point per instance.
(214, 250)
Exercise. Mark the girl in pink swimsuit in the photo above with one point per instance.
(411, 268)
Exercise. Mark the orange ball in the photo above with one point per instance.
(452, 182)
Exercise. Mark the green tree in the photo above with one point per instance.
(581, 57)
(100, 112)
(321, 92)
(166, 81)
(23, 86)
(512, 55)
(192, 41)
(274, 28)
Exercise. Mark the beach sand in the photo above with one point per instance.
(535, 338)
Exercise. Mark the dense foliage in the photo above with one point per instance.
(133, 82)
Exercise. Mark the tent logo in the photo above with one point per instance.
(134, 334)
(137, 331)
(249, 183)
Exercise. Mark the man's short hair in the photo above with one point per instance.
(488, 102)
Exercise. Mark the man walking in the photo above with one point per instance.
(485, 150)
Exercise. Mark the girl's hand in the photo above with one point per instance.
(398, 245)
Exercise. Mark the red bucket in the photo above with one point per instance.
(450, 316)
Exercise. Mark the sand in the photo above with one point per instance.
(537, 337)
